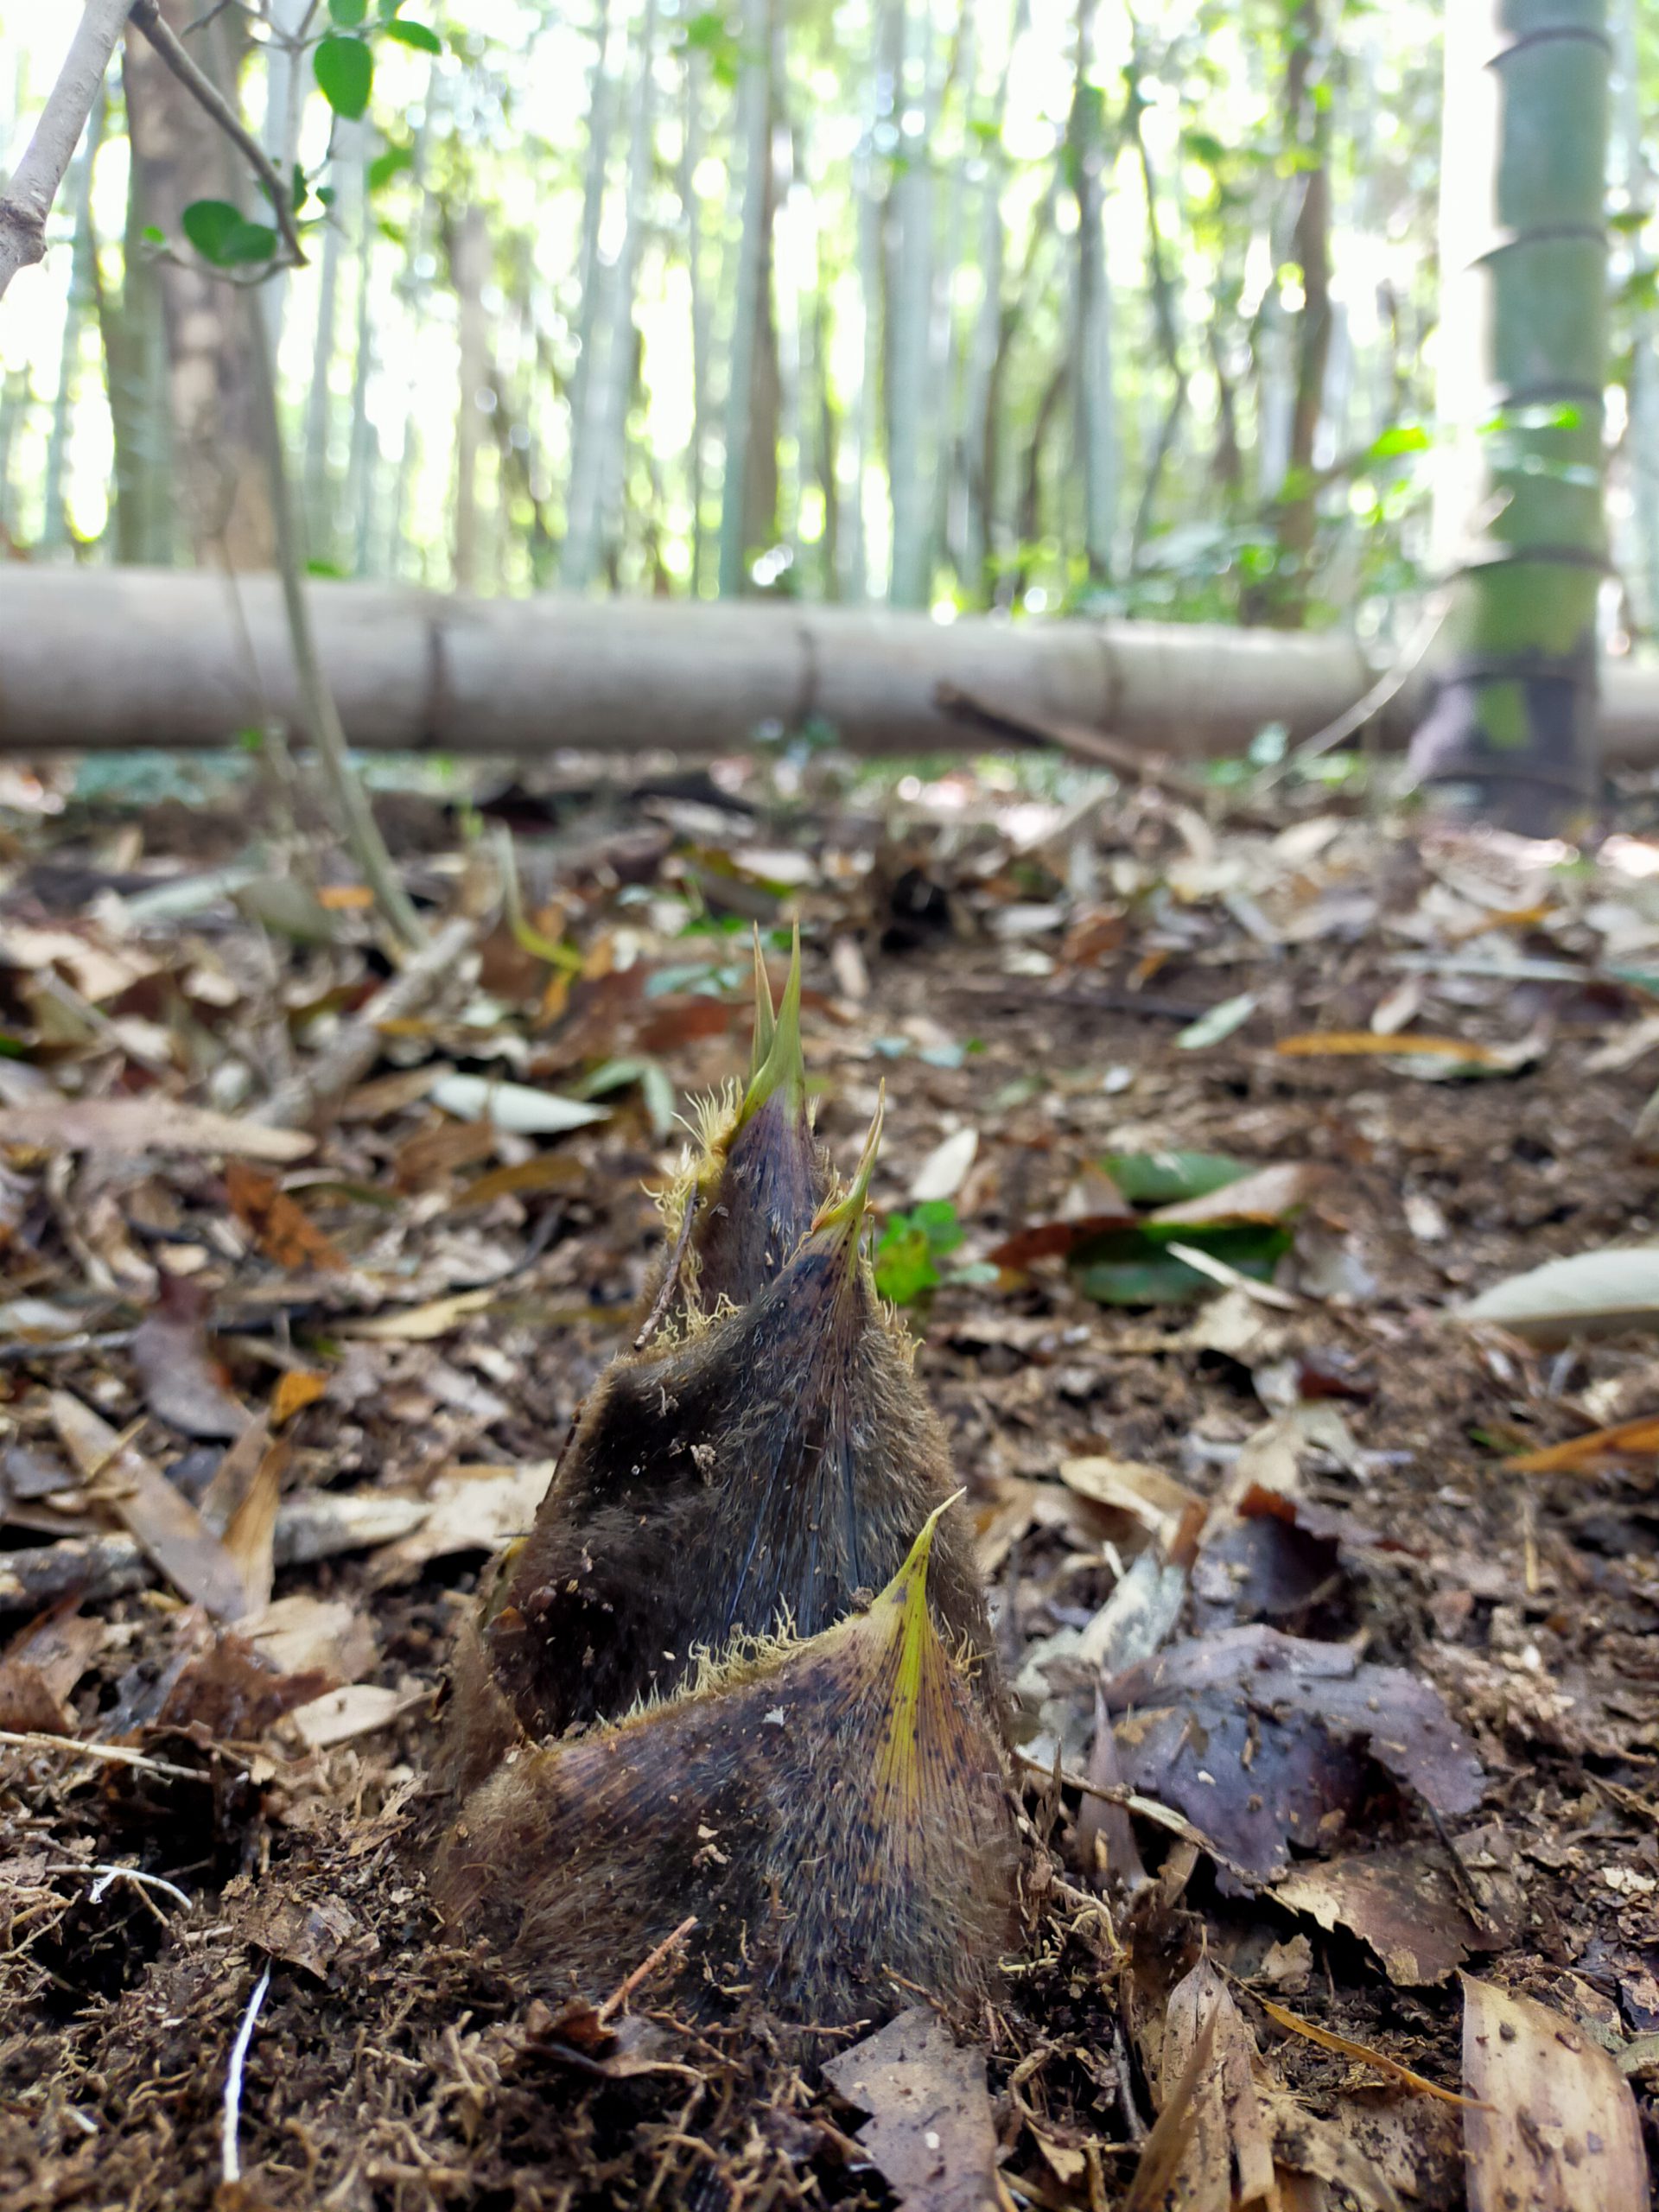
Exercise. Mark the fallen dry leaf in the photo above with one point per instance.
(1164, 2153)
(1641, 1435)
(1558, 2131)
(146, 1124)
(1226, 2155)
(476, 1508)
(1357, 1043)
(946, 1169)
(300, 1634)
(1265, 1194)
(1257, 1738)
(163, 1520)
(228, 1691)
(1588, 1295)
(547, 1170)
(282, 1230)
(432, 1155)
(930, 2132)
(249, 1533)
(41, 1665)
(419, 1324)
(1133, 1486)
(1403, 1903)
(357, 1709)
(296, 1388)
(183, 1384)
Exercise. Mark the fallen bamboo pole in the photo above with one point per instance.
(98, 658)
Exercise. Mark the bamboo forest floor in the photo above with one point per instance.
(1390, 1687)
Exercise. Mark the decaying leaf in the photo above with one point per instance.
(1403, 1903)
(1206, 2073)
(250, 1532)
(930, 2132)
(296, 1388)
(1558, 2130)
(183, 1384)
(471, 1508)
(337, 1716)
(283, 1229)
(1132, 1486)
(161, 1518)
(1258, 1738)
(146, 1124)
(302, 1634)
(309, 1932)
(41, 1665)
(1265, 1194)
(1362, 2053)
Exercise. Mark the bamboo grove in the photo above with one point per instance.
(1021, 304)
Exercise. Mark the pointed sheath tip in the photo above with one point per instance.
(909, 1585)
(781, 1069)
(899, 1775)
(847, 1209)
(766, 1021)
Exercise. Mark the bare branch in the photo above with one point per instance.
(202, 90)
(28, 198)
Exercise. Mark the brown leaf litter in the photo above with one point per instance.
(1336, 1626)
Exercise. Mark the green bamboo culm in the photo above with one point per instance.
(1519, 523)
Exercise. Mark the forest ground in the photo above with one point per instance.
(410, 1312)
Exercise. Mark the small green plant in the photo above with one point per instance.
(910, 1247)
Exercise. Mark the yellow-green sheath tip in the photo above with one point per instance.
(781, 1070)
(848, 1211)
(766, 1019)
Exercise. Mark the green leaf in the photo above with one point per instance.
(416, 35)
(391, 163)
(348, 14)
(210, 225)
(1169, 1178)
(1404, 437)
(344, 69)
(249, 241)
(1130, 1266)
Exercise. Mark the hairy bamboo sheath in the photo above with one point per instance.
(834, 1812)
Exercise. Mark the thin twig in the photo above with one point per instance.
(318, 715)
(33, 186)
(116, 1754)
(230, 2153)
(206, 94)
(647, 1966)
(1392, 681)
